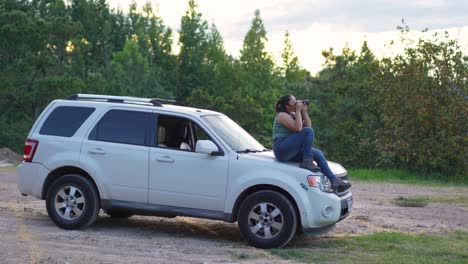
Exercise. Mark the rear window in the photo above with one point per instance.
(64, 121)
(120, 126)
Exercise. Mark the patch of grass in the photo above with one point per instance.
(289, 253)
(9, 168)
(414, 201)
(449, 200)
(407, 177)
(240, 255)
(384, 247)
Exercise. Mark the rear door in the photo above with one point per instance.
(60, 135)
(116, 151)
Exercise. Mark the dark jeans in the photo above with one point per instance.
(298, 146)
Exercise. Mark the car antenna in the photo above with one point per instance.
(238, 143)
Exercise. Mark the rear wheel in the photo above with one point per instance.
(72, 202)
(267, 219)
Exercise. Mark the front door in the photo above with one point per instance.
(181, 177)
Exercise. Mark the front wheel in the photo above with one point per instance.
(72, 202)
(267, 219)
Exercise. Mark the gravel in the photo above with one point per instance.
(28, 236)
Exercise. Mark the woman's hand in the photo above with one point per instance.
(299, 106)
(305, 116)
(304, 108)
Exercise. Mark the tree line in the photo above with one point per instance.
(407, 111)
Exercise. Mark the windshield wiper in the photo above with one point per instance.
(252, 150)
(248, 151)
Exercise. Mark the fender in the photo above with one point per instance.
(265, 176)
(69, 169)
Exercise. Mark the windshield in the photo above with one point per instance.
(230, 132)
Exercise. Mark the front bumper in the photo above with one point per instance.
(323, 210)
(346, 202)
(346, 199)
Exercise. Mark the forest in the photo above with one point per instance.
(408, 111)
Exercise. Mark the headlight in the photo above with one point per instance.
(322, 182)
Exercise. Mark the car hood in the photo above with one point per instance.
(268, 156)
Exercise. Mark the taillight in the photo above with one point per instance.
(30, 147)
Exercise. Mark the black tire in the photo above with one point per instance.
(267, 236)
(299, 231)
(119, 214)
(85, 193)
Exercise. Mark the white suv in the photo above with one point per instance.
(141, 156)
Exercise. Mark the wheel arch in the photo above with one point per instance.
(65, 170)
(262, 187)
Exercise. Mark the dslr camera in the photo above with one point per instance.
(304, 102)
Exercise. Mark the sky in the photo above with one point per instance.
(316, 25)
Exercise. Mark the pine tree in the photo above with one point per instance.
(258, 83)
(129, 73)
(254, 57)
(291, 69)
(193, 49)
(155, 41)
(217, 92)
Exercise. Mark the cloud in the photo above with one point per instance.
(309, 42)
(372, 16)
(233, 17)
(316, 25)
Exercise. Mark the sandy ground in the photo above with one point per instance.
(28, 236)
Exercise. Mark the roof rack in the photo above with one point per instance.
(120, 99)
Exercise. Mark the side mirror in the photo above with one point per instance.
(207, 147)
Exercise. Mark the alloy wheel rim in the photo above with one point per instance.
(265, 220)
(69, 202)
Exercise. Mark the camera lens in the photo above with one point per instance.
(304, 102)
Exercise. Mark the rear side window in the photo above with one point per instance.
(64, 121)
(121, 126)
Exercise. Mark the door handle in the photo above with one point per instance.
(165, 159)
(97, 151)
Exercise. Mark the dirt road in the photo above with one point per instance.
(28, 236)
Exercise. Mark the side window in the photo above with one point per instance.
(122, 126)
(174, 132)
(64, 121)
(200, 134)
(179, 133)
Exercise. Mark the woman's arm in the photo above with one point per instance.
(287, 121)
(307, 122)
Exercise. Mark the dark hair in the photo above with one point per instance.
(282, 102)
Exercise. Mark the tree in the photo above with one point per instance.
(422, 106)
(291, 70)
(296, 80)
(129, 72)
(345, 115)
(36, 64)
(193, 50)
(155, 43)
(217, 91)
(258, 84)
